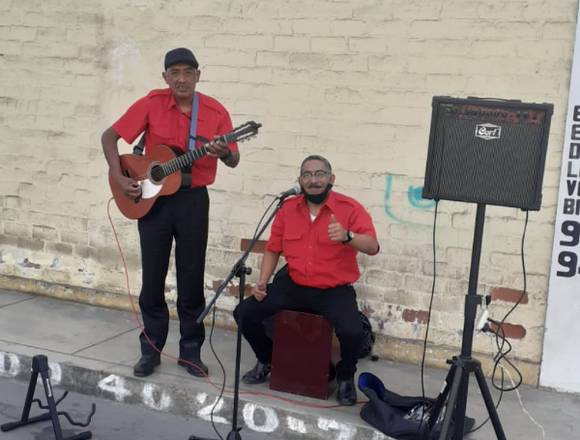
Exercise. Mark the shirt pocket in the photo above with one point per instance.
(162, 136)
(292, 239)
(292, 242)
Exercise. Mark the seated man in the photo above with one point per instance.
(319, 233)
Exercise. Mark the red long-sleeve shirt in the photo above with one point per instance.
(313, 259)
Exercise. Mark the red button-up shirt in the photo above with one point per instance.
(313, 259)
(164, 122)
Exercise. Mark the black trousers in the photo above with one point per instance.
(338, 305)
(182, 217)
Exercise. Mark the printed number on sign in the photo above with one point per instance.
(569, 259)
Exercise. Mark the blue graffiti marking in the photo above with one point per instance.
(388, 208)
(414, 195)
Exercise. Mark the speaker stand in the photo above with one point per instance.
(453, 398)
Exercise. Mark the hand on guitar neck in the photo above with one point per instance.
(220, 150)
(217, 148)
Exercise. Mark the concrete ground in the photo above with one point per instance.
(112, 420)
(91, 350)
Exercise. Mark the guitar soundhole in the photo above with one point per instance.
(157, 174)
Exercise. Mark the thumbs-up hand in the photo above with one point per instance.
(335, 230)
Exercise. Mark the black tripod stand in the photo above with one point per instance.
(40, 367)
(239, 270)
(454, 395)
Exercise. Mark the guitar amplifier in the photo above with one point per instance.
(487, 151)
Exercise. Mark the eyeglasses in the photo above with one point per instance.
(320, 174)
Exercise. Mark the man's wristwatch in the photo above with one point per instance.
(349, 237)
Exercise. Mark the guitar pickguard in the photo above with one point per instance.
(149, 189)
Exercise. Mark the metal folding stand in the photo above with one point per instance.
(40, 366)
(239, 270)
(453, 398)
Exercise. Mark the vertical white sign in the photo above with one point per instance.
(561, 355)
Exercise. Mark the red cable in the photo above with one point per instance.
(184, 361)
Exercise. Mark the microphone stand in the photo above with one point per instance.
(239, 270)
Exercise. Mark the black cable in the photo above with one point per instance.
(501, 355)
(223, 374)
(419, 428)
(500, 334)
(263, 216)
(223, 387)
(523, 270)
(430, 302)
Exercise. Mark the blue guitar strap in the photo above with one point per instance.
(193, 123)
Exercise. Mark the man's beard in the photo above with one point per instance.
(317, 199)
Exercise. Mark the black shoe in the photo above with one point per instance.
(258, 374)
(198, 369)
(346, 394)
(146, 365)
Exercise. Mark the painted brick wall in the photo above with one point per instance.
(348, 79)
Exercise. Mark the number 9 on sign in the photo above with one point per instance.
(570, 229)
(569, 260)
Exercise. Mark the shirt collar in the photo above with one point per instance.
(171, 103)
(330, 202)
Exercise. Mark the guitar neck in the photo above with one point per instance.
(188, 158)
(184, 160)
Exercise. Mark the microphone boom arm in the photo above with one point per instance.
(239, 265)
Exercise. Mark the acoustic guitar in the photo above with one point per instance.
(159, 171)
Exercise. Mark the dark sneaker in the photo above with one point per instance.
(346, 394)
(195, 367)
(146, 366)
(258, 374)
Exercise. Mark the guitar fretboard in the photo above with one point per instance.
(184, 160)
(241, 133)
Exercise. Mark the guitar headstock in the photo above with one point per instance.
(243, 132)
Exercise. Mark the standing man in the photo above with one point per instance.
(319, 233)
(165, 116)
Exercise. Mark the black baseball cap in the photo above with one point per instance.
(180, 55)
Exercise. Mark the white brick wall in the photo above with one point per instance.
(348, 79)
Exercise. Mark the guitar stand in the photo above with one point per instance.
(40, 366)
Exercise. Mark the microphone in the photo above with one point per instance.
(294, 191)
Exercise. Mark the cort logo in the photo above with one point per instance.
(487, 131)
